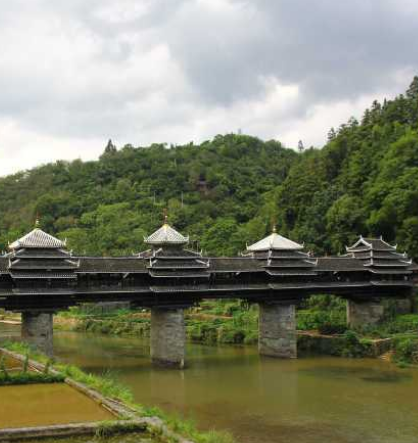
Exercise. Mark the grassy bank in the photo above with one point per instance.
(109, 388)
(232, 322)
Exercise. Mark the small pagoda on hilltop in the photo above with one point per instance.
(38, 259)
(169, 260)
(282, 257)
(380, 258)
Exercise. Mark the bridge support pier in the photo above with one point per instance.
(364, 313)
(37, 330)
(168, 337)
(277, 330)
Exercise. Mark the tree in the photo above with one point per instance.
(110, 148)
(331, 134)
(412, 91)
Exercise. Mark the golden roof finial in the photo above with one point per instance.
(273, 225)
(37, 221)
(165, 217)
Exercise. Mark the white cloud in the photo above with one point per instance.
(75, 73)
(21, 149)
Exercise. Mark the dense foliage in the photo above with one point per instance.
(227, 191)
(364, 181)
(213, 192)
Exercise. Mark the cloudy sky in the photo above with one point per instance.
(74, 73)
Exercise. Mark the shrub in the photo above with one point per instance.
(406, 350)
(329, 328)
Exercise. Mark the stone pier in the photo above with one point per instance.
(37, 330)
(168, 337)
(364, 313)
(277, 330)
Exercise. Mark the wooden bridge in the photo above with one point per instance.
(39, 277)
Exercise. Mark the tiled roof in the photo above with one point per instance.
(210, 288)
(288, 255)
(387, 263)
(37, 239)
(289, 272)
(275, 242)
(384, 255)
(166, 235)
(235, 264)
(391, 283)
(111, 265)
(387, 271)
(178, 264)
(377, 244)
(162, 273)
(319, 285)
(379, 257)
(40, 253)
(275, 263)
(43, 264)
(42, 275)
(339, 264)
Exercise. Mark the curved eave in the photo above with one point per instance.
(390, 272)
(144, 271)
(153, 275)
(166, 242)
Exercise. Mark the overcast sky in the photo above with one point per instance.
(74, 73)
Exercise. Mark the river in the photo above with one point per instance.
(261, 400)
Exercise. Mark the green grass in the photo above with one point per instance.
(7, 379)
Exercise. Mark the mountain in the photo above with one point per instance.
(227, 191)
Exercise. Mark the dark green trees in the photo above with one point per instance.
(229, 190)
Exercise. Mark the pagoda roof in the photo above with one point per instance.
(169, 254)
(376, 244)
(35, 253)
(166, 235)
(379, 257)
(37, 239)
(42, 275)
(43, 264)
(275, 242)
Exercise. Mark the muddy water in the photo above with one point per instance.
(309, 400)
(46, 404)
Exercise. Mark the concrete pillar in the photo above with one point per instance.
(277, 330)
(168, 337)
(364, 313)
(403, 305)
(37, 330)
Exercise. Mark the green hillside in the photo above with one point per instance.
(227, 191)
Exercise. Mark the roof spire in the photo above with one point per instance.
(273, 225)
(166, 235)
(37, 221)
(165, 212)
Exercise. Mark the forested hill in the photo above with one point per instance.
(364, 181)
(213, 192)
(227, 191)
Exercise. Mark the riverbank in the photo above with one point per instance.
(321, 324)
(101, 398)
